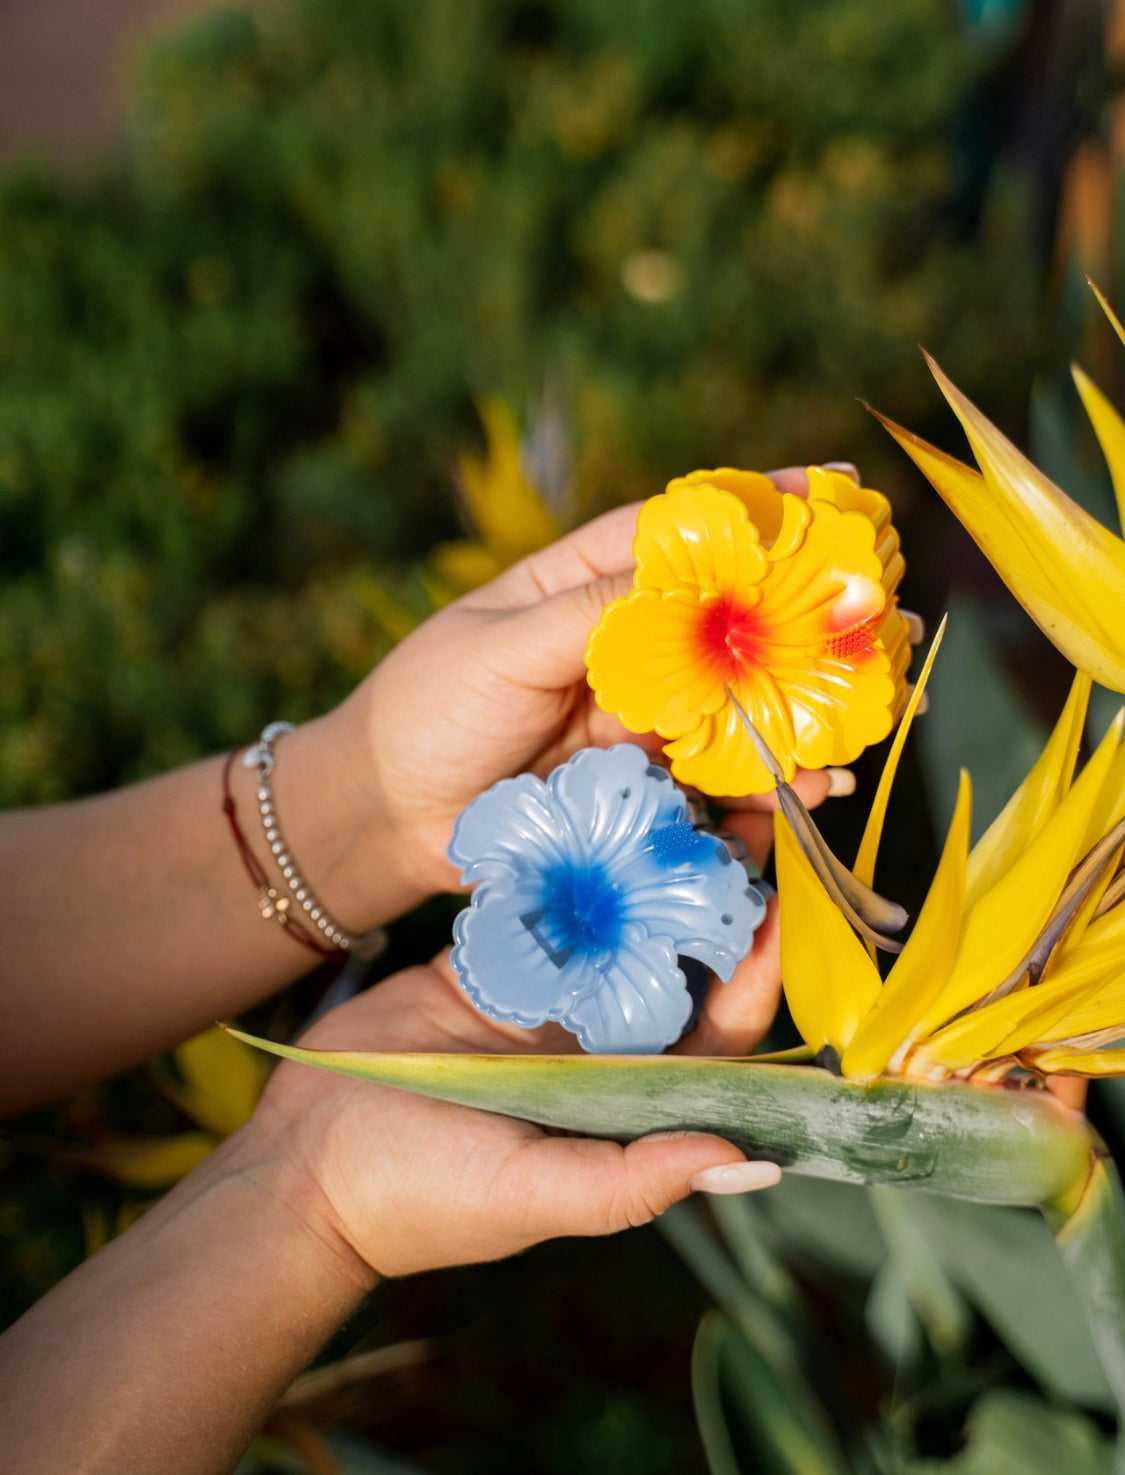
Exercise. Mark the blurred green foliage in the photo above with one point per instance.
(237, 362)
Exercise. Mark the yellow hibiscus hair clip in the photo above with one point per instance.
(787, 603)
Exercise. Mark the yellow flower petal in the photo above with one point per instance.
(701, 541)
(921, 970)
(1079, 1062)
(1115, 321)
(1064, 567)
(754, 490)
(864, 867)
(220, 1080)
(1005, 922)
(463, 565)
(149, 1162)
(1036, 799)
(826, 485)
(1101, 1011)
(644, 662)
(718, 757)
(1004, 1027)
(1037, 568)
(1098, 949)
(509, 515)
(795, 630)
(1110, 431)
(830, 983)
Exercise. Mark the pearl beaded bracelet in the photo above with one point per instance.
(261, 757)
(333, 940)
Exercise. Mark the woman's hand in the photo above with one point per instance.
(495, 685)
(411, 1183)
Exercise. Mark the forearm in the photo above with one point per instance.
(167, 1350)
(128, 921)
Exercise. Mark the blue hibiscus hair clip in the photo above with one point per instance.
(590, 889)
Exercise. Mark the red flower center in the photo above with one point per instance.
(731, 636)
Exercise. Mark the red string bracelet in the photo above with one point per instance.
(272, 906)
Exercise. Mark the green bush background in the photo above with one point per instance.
(237, 363)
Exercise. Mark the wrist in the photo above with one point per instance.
(283, 1193)
(405, 778)
(340, 834)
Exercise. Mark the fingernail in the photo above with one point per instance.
(846, 467)
(915, 625)
(841, 782)
(923, 700)
(736, 1178)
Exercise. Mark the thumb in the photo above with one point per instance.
(545, 643)
(586, 1187)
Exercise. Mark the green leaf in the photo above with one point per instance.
(743, 1403)
(892, 1320)
(829, 1223)
(707, 1395)
(1091, 1238)
(1016, 1434)
(741, 1222)
(930, 1290)
(1007, 1264)
(684, 1227)
(996, 1146)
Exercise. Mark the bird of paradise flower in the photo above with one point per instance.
(1017, 959)
(1064, 567)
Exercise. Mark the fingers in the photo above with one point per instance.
(603, 546)
(915, 626)
(736, 1015)
(543, 645)
(754, 829)
(598, 548)
(813, 785)
(795, 479)
(1071, 1091)
(583, 1187)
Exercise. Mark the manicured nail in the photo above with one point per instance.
(924, 701)
(915, 625)
(841, 782)
(846, 467)
(736, 1178)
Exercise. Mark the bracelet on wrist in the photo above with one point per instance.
(294, 906)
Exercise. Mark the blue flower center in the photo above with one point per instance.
(679, 844)
(581, 912)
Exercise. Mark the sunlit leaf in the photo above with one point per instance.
(995, 1146)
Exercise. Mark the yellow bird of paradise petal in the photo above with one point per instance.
(1064, 567)
(1017, 958)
